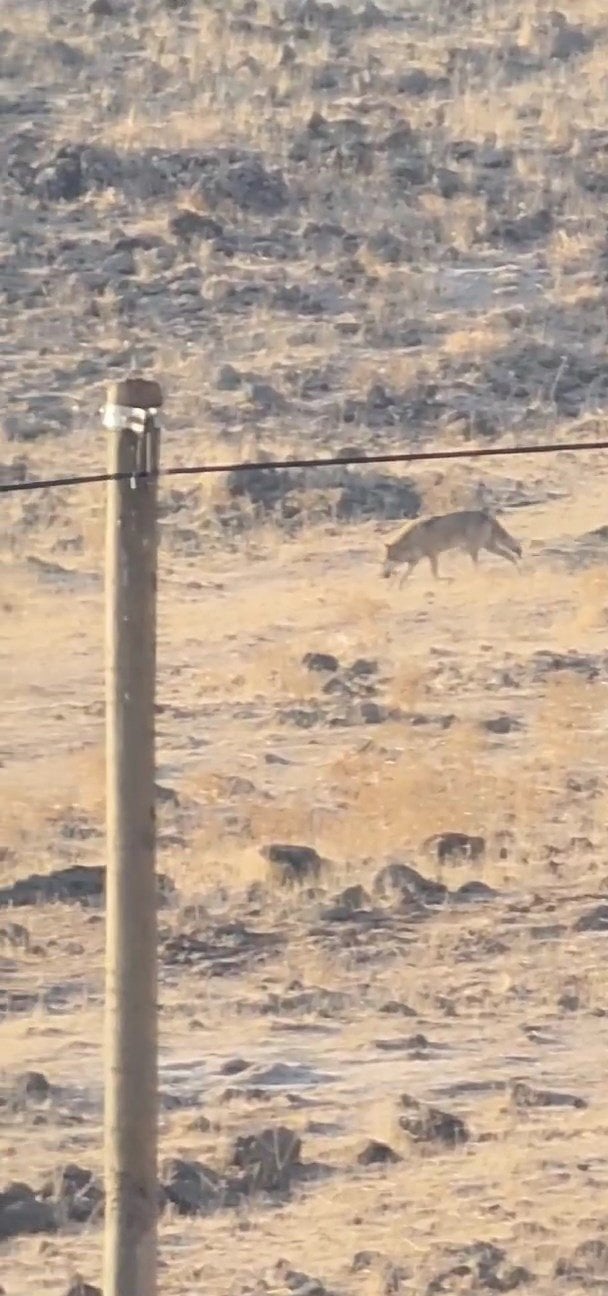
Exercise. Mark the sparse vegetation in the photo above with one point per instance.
(321, 226)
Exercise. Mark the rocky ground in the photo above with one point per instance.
(382, 812)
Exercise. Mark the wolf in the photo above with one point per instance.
(428, 537)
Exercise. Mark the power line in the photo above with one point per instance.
(329, 461)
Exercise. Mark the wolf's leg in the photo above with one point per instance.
(434, 565)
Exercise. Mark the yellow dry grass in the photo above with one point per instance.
(249, 740)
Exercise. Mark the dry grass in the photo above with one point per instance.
(473, 333)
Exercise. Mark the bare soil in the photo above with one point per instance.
(321, 226)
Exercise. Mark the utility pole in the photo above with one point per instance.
(131, 1063)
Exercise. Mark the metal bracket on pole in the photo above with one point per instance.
(132, 405)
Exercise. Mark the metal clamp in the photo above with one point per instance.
(117, 417)
(132, 405)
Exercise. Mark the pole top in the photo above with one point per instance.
(135, 393)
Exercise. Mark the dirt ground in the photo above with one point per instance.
(320, 226)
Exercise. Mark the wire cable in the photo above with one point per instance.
(329, 461)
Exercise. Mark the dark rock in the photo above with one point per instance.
(249, 185)
(376, 1153)
(337, 686)
(77, 169)
(75, 1193)
(67, 56)
(415, 82)
(99, 9)
(291, 864)
(569, 1001)
(120, 263)
(296, 999)
(293, 1280)
(245, 1093)
(416, 1046)
(33, 1086)
(479, 1266)
(462, 149)
(16, 935)
(454, 846)
(596, 920)
(24, 427)
(364, 1260)
(420, 718)
(166, 796)
(598, 533)
(587, 1265)
(228, 378)
(322, 235)
(402, 882)
(187, 225)
(80, 1288)
(267, 399)
(78, 883)
(16, 1001)
(234, 1066)
(388, 247)
(320, 661)
(524, 1097)
(339, 18)
(380, 398)
(352, 904)
(16, 471)
(474, 892)
(502, 724)
(410, 171)
(494, 158)
(269, 1159)
(350, 495)
(374, 713)
(267, 487)
(190, 1186)
(352, 899)
(426, 1124)
(545, 662)
(222, 949)
(396, 1008)
(448, 182)
(524, 229)
(567, 39)
(420, 1045)
(21, 1212)
(399, 139)
(200, 1124)
(301, 717)
(141, 243)
(62, 180)
(363, 667)
(368, 494)
(327, 77)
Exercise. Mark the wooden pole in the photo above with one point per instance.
(131, 1083)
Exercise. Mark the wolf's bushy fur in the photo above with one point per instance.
(470, 530)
